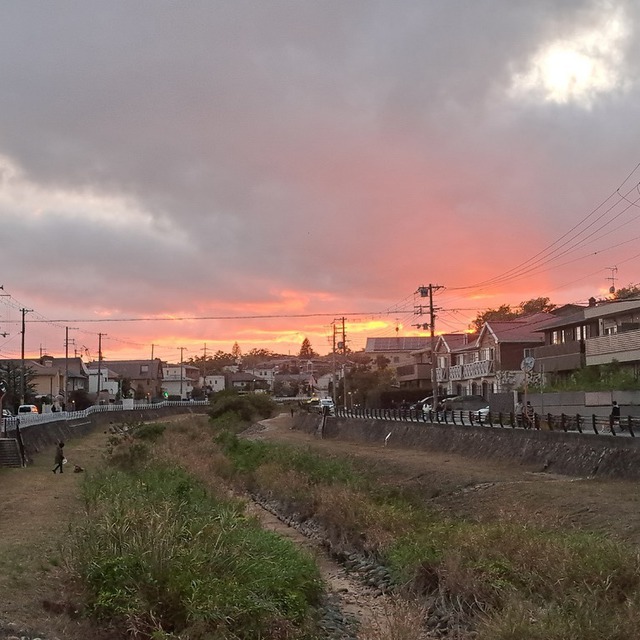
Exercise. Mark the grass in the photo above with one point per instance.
(507, 579)
(162, 557)
(187, 561)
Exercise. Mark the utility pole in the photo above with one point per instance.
(152, 345)
(24, 375)
(204, 365)
(182, 349)
(99, 364)
(427, 292)
(333, 360)
(66, 365)
(344, 355)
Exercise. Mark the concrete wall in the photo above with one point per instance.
(559, 452)
(586, 403)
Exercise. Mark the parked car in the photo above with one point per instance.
(427, 403)
(474, 403)
(6, 413)
(328, 403)
(27, 408)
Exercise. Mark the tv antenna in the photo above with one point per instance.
(612, 278)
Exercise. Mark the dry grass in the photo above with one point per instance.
(398, 620)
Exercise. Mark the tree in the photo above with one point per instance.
(630, 291)
(12, 374)
(236, 352)
(504, 312)
(306, 350)
(536, 305)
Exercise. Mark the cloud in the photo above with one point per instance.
(228, 159)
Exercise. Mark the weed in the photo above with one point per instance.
(157, 552)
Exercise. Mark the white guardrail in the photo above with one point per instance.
(28, 419)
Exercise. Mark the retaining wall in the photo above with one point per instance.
(569, 453)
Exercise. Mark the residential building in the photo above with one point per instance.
(213, 383)
(242, 381)
(490, 363)
(408, 357)
(144, 376)
(597, 334)
(180, 379)
(51, 376)
(106, 381)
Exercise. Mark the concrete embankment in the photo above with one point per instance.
(568, 453)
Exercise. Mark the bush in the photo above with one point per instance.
(246, 407)
(159, 554)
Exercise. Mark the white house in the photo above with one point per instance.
(109, 384)
(214, 383)
(180, 379)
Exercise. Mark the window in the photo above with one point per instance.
(487, 353)
(144, 368)
(528, 353)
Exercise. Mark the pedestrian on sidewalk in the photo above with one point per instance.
(530, 415)
(519, 413)
(59, 459)
(614, 416)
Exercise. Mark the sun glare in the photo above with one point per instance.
(577, 69)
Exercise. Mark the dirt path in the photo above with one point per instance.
(35, 511)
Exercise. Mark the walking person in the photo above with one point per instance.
(59, 459)
(530, 416)
(614, 416)
(519, 413)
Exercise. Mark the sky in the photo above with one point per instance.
(179, 176)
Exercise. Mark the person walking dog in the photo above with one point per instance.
(59, 459)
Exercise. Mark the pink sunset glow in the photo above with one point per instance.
(207, 174)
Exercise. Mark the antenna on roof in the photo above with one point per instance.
(612, 277)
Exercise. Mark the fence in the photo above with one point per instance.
(26, 420)
(592, 424)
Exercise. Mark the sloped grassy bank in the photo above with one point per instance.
(164, 557)
(492, 581)
(497, 580)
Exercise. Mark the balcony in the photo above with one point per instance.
(477, 369)
(567, 356)
(442, 374)
(455, 372)
(413, 373)
(623, 347)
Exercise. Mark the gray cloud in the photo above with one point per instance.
(345, 150)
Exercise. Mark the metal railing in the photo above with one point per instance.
(586, 424)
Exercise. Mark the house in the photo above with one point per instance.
(51, 376)
(408, 357)
(490, 363)
(597, 334)
(106, 381)
(213, 383)
(265, 371)
(242, 381)
(449, 354)
(180, 379)
(144, 376)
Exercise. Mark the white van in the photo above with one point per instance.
(27, 408)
